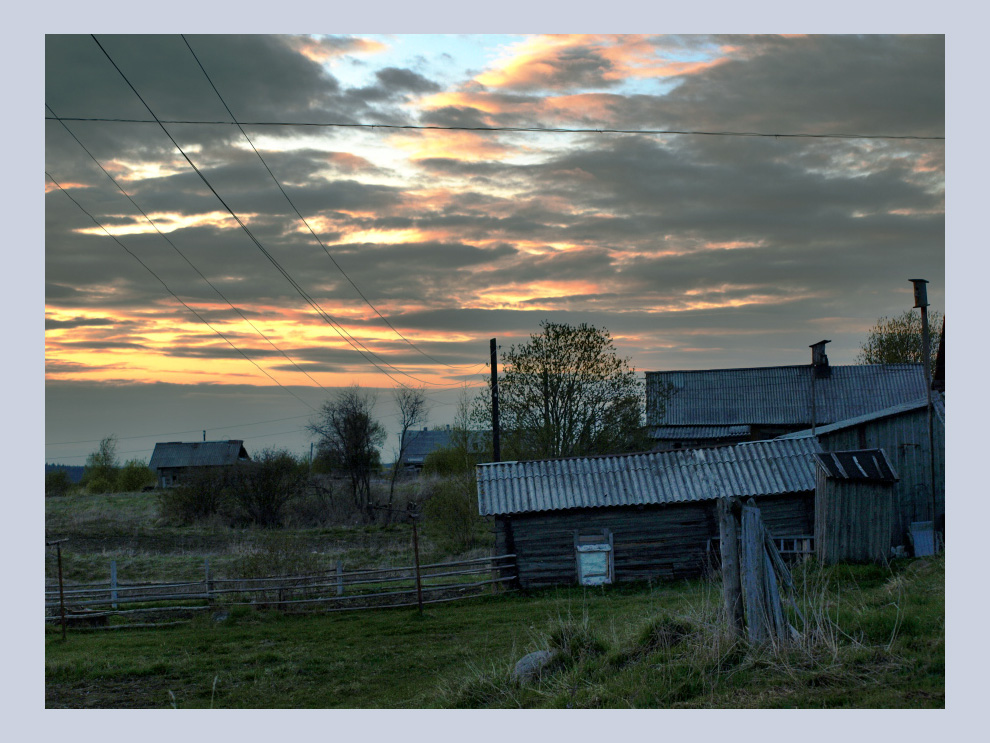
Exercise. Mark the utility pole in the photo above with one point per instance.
(204, 435)
(921, 302)
(496, 449)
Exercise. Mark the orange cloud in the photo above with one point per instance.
(466, 146)
(557, 61)
(325, 50)
(49, 187)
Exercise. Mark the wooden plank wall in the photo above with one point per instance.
(852, 520)
(904, 438)
(649, 542)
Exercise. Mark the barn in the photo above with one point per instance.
(605, 519)
(176, 461)
(722, 406)
(902, 432)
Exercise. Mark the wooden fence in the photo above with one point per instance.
(333, 590)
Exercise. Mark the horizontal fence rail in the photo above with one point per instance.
(331, 590)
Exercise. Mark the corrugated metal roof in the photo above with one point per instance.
(197, 454)
(681, 433)
(684, 475)
(860, 464)
(780, 395)
(938, 406)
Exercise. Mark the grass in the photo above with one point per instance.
(877, 641)
(874, 634)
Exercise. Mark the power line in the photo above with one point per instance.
(323, 314)
(516, 129)
(177, 297)
(183, 255)
(302, 218)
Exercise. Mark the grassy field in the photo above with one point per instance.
(875, 634)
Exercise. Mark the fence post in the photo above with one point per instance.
(206, 580)
(340, 577)
(113, 585)
(729, 549)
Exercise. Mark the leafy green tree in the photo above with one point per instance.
(134, 475)
(349, 438)
(567, 393)
(100, 474)
(57, 483)
(898, 340)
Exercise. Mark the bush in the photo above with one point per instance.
(101, 482)
(449, 461)
(134, 475)
(57, 483)
(260, 490)
(198, 498)
(451, 513)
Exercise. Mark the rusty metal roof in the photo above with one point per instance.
(860, 464)
(779, 395)
(684, 475)
(198, 454)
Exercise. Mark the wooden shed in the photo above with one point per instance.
(606, 519)
(854, 506)
(902, 432)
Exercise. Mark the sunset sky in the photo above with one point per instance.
(694, 250)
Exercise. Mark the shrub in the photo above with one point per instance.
(451, 513)
(57, 483)
(198, 498)
(260, 490)
(134, 475)
(101, 482)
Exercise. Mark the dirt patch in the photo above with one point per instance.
(141, 692)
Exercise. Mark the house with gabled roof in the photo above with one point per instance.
(719, 406)
(176, 462)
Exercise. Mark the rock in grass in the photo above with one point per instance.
(531, 666)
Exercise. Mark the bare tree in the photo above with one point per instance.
(412, 411)
(349, 438)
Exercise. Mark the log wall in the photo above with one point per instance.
(665, 542)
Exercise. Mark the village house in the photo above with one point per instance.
(421, 444)
(175, 462)
(721, 406)
(652, 515)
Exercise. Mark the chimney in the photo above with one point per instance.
(819, 361)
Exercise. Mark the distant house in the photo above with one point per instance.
(720, 406)
(423, 443)
(902, 432)
(177, 461)
(605, 519)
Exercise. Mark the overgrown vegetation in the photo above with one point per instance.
(622, 646)
(898, 340)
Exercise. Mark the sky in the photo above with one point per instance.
(175, 305)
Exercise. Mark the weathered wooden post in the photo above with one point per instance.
(753, 574)
(414, 517)
(206, 581)
(340, 577)
(729, 548)
(113, 585)
(61, 588)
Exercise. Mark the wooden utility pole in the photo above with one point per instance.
(496, 449)
(921, 302)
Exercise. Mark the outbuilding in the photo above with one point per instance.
(854, 506)
(652, 515)
(176, 462)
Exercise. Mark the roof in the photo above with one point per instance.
(676, 433)
(938, 407)
(684, 475)
(422, 443)
(780, 395)
(197, 454)
(859, 464)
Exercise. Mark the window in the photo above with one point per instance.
(594, 558)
